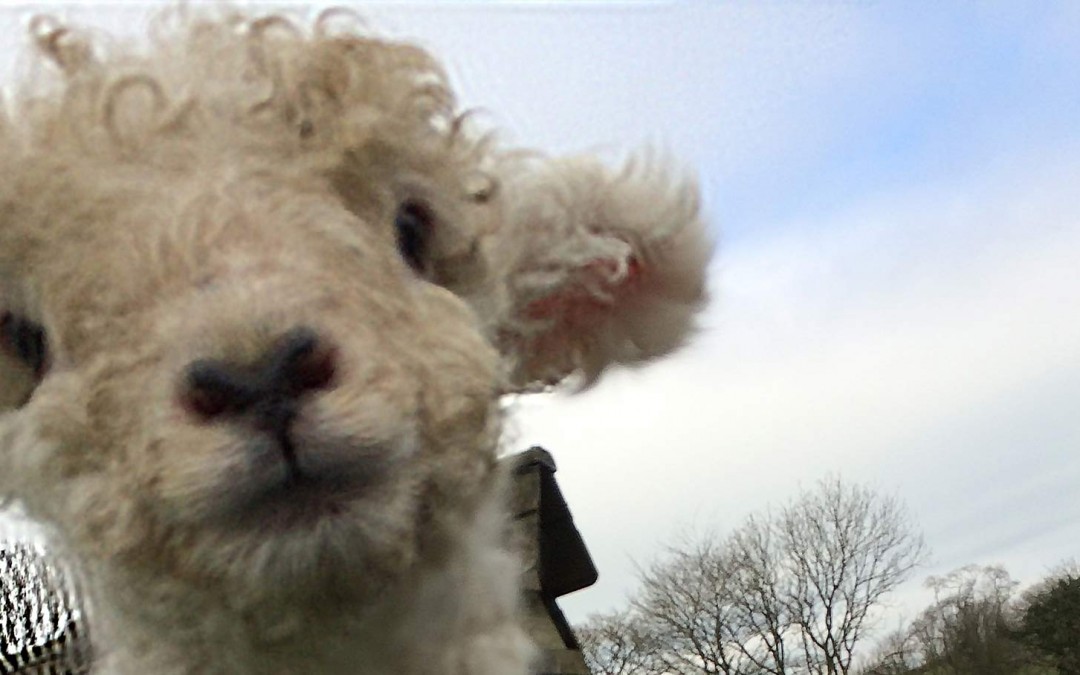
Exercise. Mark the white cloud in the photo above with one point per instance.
(921, 341)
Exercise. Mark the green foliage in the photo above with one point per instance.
(968, 630)
(977, 626)
(1051, 621)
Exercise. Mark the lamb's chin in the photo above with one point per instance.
(293, 562)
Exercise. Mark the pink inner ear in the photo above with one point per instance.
(577, 301)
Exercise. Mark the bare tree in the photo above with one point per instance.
(790, 593)
(693, 606)
(615, 644)
(761, 590)
(844, 547)
(895, 654)
(684, 602)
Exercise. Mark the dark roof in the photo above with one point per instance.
(565, 564)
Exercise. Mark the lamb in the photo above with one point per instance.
(262, 289)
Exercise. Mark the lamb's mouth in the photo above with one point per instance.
(298, 501)
(303, 488)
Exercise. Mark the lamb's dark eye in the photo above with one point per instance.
(413, 224)
(25, 340)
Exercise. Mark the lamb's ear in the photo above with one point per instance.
(606, 267)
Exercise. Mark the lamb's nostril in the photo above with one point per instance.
(212, 389)
(205, 403)
(303, 362)
(315, 369)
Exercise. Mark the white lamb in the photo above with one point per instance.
(262, 287)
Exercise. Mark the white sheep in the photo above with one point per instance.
(262, 286)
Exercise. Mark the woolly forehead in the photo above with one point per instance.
(358, 121)
(254, 95)
(266, 82)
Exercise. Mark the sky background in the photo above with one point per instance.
(895, 189)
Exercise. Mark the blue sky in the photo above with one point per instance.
(944, 88)
(896, 191)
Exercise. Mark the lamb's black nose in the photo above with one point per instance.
(267, 392)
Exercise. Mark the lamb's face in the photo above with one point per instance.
(244, 377)
(262, 288)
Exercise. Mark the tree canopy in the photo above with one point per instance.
(795, 591)
(789, 592)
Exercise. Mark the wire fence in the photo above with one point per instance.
(42, 630)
